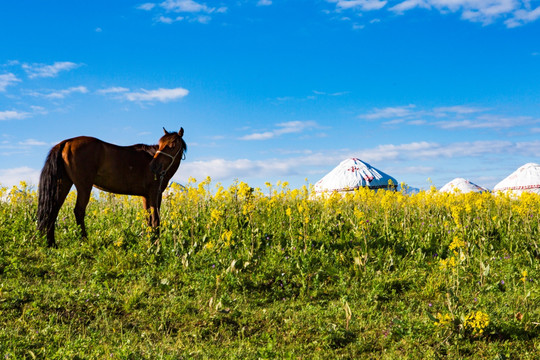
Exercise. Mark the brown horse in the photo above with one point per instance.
(142, 170)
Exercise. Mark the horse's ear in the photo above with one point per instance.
(166, 132)
(181, 131)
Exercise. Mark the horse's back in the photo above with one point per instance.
(82, 149)
(110, 167)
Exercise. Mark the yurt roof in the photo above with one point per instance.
(351, 174)
(526, 178)
(463, 185)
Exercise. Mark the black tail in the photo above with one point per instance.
(48, 188)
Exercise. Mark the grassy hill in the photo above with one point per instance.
(267, 273)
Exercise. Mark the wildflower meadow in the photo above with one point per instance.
(273, 272)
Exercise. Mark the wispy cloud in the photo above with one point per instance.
(339, 93)
(60, 94)
(394, 157)
(282, 128)
(458, 109)
(513, 13)
(113, 90)
(169, 20)
(433, 150)
(185, 6)
(488, 122)
(161, 95)
(448, 117)
(191, 11)
(143, 95)
(12, 115)
(44, 71)
(7, 80)
(389, 112)
(146, 6)
(364, 5)
(522, 17)
(32, 142)
(410, 4)
(11, 177)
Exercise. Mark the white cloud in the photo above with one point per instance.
(162, 95)
(113, 90)
(43, 70)
(7, 80)
(264, 3)
(389, 112)
(427, 158)
(431, 150)
(221, 169)
(192, 11)
(282, 128)
(458, 109)
(12, 115)
(146, 6)
(32, 142)
(364, 5)
(523, 16)
(339, 93)
(61, 94)
(513, 12)
(185, 6)
(487, 122)
(259, 136)
(11, 177)
(410, 4)
(203, 19)
(165, 20)
(455, 117)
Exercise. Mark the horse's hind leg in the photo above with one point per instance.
(83, 196)
(64, 185)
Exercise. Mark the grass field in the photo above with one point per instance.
(267, 273)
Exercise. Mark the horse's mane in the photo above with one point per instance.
(151, 149)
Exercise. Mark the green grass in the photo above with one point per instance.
(238, 275)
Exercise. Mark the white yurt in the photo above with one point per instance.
(351, 174)
(524, 179)
(462, 185)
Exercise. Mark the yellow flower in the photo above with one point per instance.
(248, 208)
(359, 214)
(227, 236)
(288, 212)
(476, 321)
(443, 320)
(457, 244)
(524, 275)
(216, 215)
(447, 263)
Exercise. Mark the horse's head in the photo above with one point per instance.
(170, 146)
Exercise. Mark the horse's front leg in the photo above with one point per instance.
(151, 205)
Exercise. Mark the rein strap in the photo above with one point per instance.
(172, 161)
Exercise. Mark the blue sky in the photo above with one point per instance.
(278, 90)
